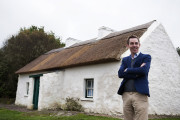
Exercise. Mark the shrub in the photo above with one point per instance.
(7, 100)
(72, 104)
(56, 106)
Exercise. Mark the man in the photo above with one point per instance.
(134, 87)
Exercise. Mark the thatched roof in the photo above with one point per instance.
(107, 49)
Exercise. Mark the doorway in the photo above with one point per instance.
(36, 92)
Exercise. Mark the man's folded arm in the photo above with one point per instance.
(141, 70)
(123, 74)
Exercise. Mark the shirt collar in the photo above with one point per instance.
(135, 56)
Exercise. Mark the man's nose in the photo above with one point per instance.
(134, 44)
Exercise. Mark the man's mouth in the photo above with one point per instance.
(134, 48)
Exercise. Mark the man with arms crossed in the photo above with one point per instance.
(134, 87)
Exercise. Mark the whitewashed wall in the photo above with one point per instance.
(51, 87)
(164, 76)
(21, 96)
(55, 87)
(106, 83)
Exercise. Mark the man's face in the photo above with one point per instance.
(133, 45)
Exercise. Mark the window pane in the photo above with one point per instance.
(89, 83)
(89, 92)
(27, 88)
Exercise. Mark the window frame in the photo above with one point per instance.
(91, 87)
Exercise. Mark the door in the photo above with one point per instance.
(36, 93)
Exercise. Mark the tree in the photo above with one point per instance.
(3, 74)
(19, 50)
(178, 50)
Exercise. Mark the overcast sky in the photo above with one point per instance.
(80, 19)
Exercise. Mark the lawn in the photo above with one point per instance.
(14, 115)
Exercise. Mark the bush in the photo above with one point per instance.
(7, 100)
(72, 104)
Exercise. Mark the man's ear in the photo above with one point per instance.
(127, 46)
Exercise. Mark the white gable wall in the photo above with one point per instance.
(164, 76)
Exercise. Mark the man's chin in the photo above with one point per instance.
(134, 52)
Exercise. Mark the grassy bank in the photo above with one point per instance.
(14, 115)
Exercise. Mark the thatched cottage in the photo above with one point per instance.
(88, 70)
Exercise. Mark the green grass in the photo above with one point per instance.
(166, 119)
(14, 115)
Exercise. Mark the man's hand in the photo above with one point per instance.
(143, 64)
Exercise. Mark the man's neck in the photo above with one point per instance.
(134, 55)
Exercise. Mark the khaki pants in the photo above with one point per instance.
(135, 106)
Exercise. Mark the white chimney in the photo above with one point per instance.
(70, 41)
(103, 31)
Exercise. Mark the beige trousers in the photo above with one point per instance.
(135, 106)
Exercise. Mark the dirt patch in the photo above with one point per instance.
(68, 113)
(15, 107)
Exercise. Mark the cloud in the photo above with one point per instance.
(80, 19)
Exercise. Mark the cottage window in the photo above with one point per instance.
(27, 88)
(89, 88)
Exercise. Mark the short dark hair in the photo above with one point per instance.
(132, 36)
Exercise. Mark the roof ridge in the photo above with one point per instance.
(114, 34)
(138, 27)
